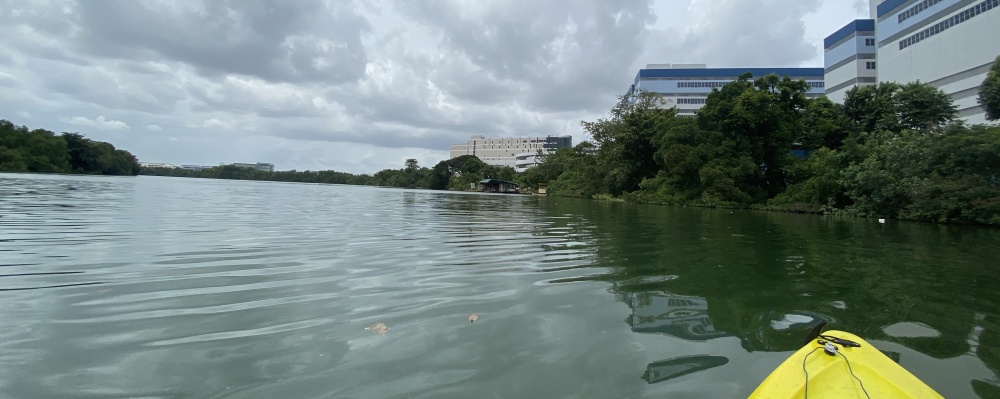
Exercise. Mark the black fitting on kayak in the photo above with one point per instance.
(840, 341)
(830, 349)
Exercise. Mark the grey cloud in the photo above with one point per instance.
(318, 74)
(744, 33)
(557, 53)
(108, 89)
(276, 40)
(6, 58)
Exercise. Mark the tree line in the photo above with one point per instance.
(42, 151)
(460, 173)
(890, 151)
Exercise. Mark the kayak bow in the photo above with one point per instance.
(838, 364)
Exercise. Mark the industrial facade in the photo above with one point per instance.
(687, 86)
(506, 151)
(849, 58)
(949, 44)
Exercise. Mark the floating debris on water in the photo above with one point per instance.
(473, 317)
(378, 328)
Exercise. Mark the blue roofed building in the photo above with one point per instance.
(686, 86)
(948, 44)
(849, 58)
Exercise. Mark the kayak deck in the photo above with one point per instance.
(850, 372)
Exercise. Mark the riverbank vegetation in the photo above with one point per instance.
(461, 173)
(42, 151)
(890, 151)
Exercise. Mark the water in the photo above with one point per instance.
(155, 287)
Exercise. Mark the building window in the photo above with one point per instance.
(869, 42)
(870, 65)
(916, 9)
(818, 85)
(942, 26)
(690, 100)
(701, 84)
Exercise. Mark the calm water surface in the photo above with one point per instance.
(154, 287)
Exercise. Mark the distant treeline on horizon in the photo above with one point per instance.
(890, 151)
(460, 173)
(42, 151)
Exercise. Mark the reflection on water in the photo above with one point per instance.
(679, 316)
(161, 287)
(672, 368)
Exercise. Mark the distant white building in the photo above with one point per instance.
(687, 86)
(158, 165)
(520, 153)
(261, 166)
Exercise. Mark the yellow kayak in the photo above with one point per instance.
(838, 364)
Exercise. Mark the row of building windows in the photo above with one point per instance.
(701, 84)
(916, 9)
(818, 85)
(870, 65)
(948, 23)
(870, 41)
(690, 100)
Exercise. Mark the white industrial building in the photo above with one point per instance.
(520, 153)
(850, 58)
(949, 44)
(687, 86)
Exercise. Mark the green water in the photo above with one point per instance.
(187, 288)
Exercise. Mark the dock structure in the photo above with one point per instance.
(498, 186)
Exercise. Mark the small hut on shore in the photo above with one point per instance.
(498, 186)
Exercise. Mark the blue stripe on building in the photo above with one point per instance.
(887, 6)
(859, 25)
(728, 72)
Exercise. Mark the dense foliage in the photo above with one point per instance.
(891, 151)
(989, 92)
(42, 151)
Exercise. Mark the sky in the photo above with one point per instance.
(361, 86)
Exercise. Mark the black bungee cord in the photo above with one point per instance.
(830, 349)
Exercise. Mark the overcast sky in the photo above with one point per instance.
(362, 86)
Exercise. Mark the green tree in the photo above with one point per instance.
(42, 151)
(989, 92)
(681, 153)
(624, 140)
(884, 110)
(440, 176)
(873, 109)
(759, 122)
(922, 107)
(818, 184)
(825, 124)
